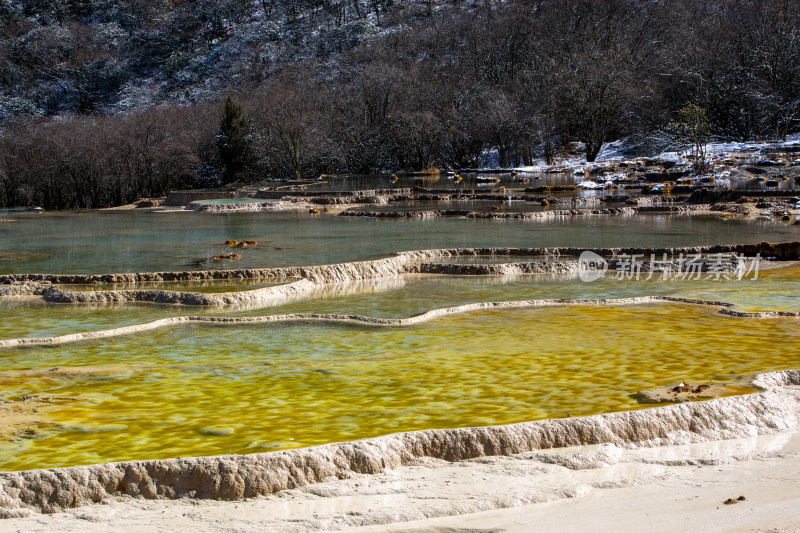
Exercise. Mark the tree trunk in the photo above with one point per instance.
(592, 149)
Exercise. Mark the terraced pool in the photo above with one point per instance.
(216, 389)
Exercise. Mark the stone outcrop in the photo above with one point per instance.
(23, 288)
(234, 477)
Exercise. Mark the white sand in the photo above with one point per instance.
(590, 488)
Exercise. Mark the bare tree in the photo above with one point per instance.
(289, 128)
(595, 60)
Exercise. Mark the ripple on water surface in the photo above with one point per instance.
(214, 390)
(211, 390)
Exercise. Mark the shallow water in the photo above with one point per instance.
(203, 390)
(215, 390)
(231, 201)
(470, 180)
(204, 286)
(124, 241)
(486, 206)
(404, 296)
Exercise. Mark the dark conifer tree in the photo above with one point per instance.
(234, 142)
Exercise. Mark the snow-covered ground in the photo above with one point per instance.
(614, 152)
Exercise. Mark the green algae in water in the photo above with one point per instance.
(212, 390)
(194, 391)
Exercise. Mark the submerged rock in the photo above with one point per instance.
(148, 202)
(682, 392)
(232, 256)
(215, 431)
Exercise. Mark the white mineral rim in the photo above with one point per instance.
(723, 308)
(776, 409)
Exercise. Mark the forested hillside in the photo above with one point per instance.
(102, 102)
(102, 56)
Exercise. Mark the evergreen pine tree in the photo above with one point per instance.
(233, 142)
